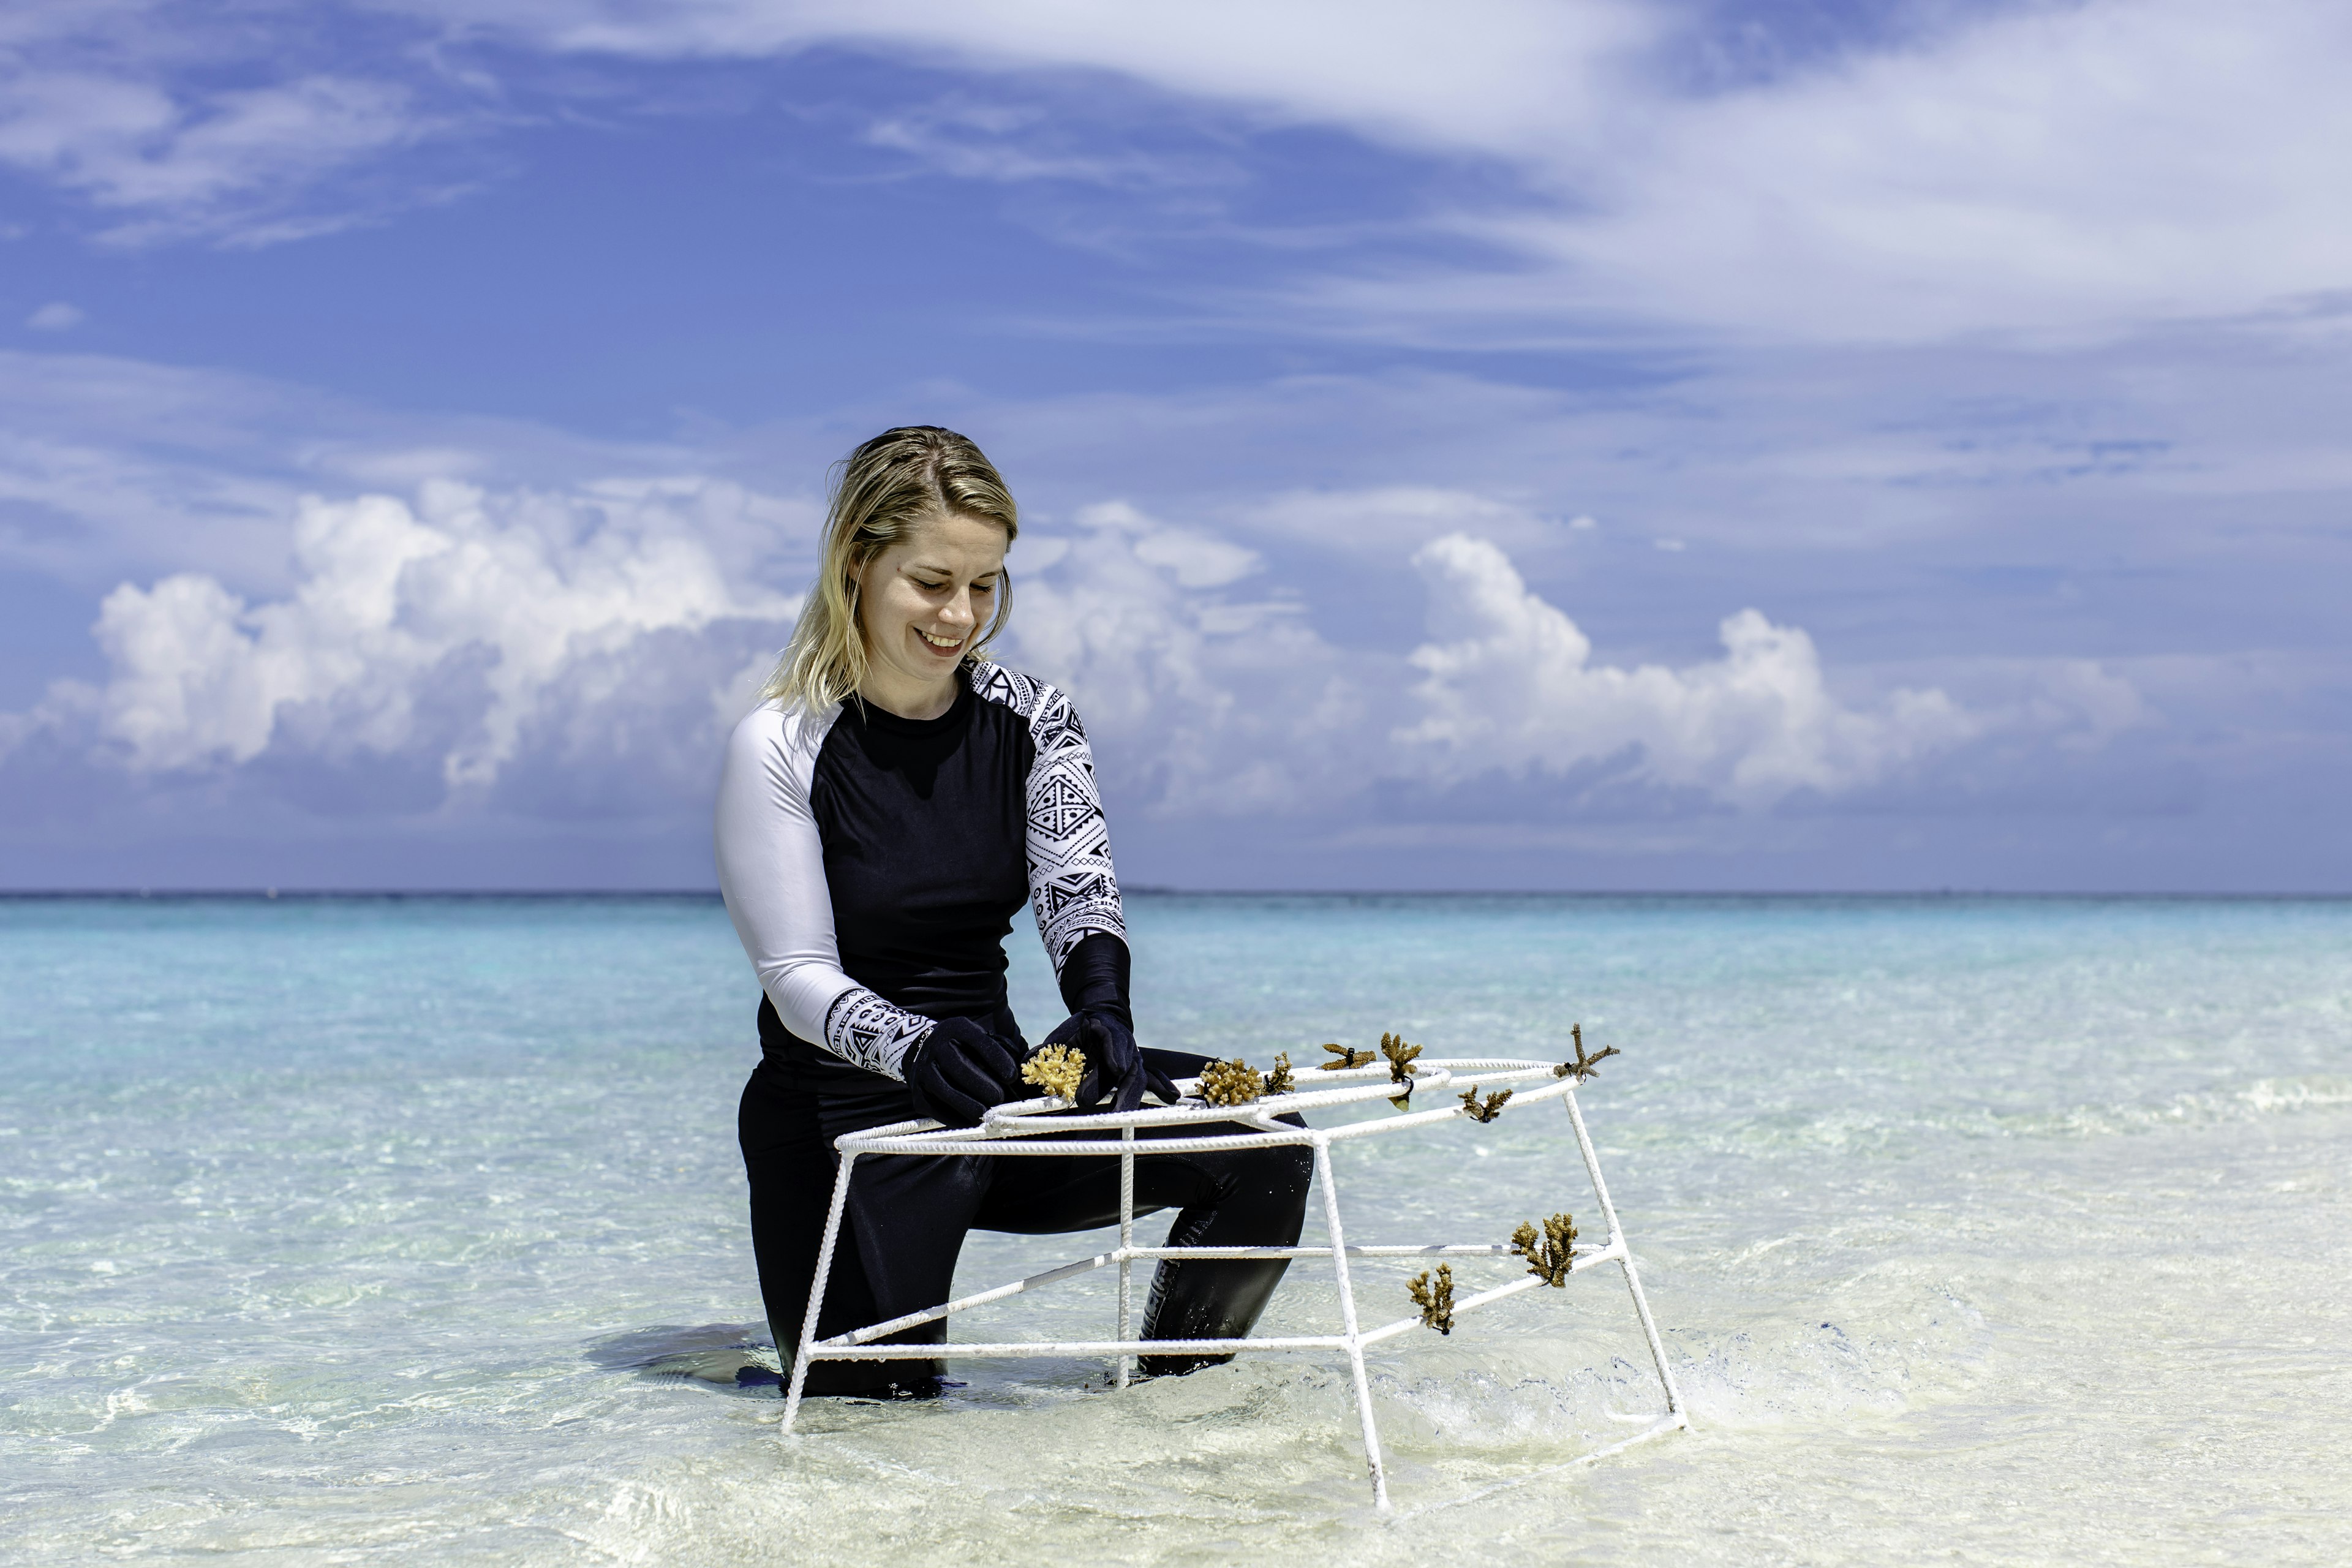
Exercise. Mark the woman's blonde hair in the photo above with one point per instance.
(880, 492)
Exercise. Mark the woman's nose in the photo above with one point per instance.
(958, 610)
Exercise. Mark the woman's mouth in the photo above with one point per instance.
(945, 645)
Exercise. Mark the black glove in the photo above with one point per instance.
(1094, 988)
(960, 1070)
(1115, 1064)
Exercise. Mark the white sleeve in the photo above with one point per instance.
(772, 874)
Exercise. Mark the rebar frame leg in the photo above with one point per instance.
(816, 1289)
(1347, 1324)
(1126, 1242)
(1625, 1261)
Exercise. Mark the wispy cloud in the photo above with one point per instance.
(173, 121)
(2037, 171)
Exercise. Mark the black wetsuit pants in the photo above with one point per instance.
(907, 1215)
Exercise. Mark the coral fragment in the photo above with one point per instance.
(1489, 1111)
(1550, 1254)
(1435, 1301)
(1056, 1070)
(1584, 1065)
(1230, 1083)
(1400, 1055)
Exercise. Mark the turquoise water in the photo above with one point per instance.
(2008, 1230)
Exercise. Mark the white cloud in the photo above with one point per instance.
(1507, 685)
(2041, 169)
(561, 652)
(113, 469)
(1194, 559)
(500, 597)
(2037, 170)
(1477, 73)
(224, 162)
(2053, 170)
(1393, 519)
(56, 316)
(1205, 704)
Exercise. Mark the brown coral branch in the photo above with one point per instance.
(1584, 1066)
(1550, 1254)
(1489, 1111)
(1400, 1055)
(1279, 1081)
(1345, 1059)
(1435, 1301)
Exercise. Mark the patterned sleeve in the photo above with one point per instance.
(1072, 888)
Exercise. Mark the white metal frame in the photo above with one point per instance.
(1012, 1130)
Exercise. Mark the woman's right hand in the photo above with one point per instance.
(960, 1070)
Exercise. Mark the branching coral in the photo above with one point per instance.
(1489, 1111)
(1435, 1301)
(1230, 1083)
(1584, 1065)
(1344, 1058)
(1279, 1081)
(1056, 1070)
(1400, 1055)
(1550, 1254)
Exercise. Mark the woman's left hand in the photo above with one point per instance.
(1115, 1064)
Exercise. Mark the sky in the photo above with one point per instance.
(1690, 444)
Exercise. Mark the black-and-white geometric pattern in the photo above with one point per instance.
(865, 1031)
(1072, 888)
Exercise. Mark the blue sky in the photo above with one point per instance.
(1506, 445)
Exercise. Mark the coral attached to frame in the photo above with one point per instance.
(1489, 1111)
(1550, 1254)
(1230, 1083)
(1279, 1081)
(1584, 1065)
(1056, 1070)
(1435, 1301)
(1344, 1058)
(1400, 1055)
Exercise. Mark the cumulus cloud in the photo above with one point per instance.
(581, 652)
(1207, 701)
(446, 626)
(1508, 684)
(1212, 695)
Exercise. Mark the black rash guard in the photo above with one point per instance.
(873, 864)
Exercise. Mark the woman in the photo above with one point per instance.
(883, 815)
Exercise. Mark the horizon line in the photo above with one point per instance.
(268, 894)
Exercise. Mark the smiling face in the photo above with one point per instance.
(920, 603)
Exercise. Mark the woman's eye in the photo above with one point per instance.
(984, 587)
(927, 588)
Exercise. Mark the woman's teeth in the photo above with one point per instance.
(942, 643)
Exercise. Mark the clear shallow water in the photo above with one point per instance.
(2008, 1230)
